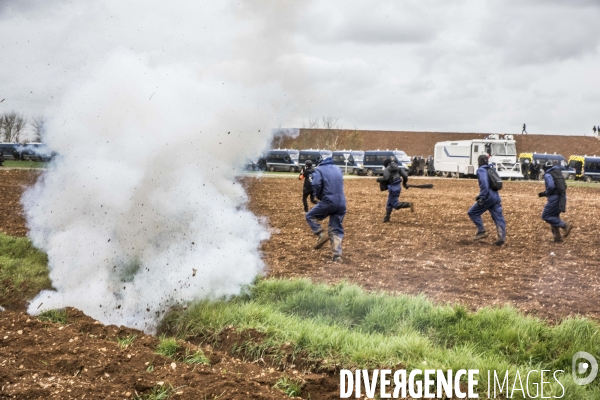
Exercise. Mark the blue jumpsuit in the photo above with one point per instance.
(491, 202)
(393, 196)
(328, 187)
(553, 208)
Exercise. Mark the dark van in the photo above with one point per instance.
(9, 151)
(350, 161)
(541, 159)
(282, 160)
(587, 168)
(312, 155)
(373, 163)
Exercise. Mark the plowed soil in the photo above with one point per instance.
(430, 251)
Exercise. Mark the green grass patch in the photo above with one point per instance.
(126, 341)
(25, 164)
(23, 270)
(167, 347)
(54, 316)
(289, 386)
(349, 327)
(196, 357)
(158, 392)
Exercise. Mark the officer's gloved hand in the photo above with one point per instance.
(405, 186)
(542, 194)
(379, 179)
(479, 200)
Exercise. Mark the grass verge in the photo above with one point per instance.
(344, 326)
(23, 271)
(24, 164)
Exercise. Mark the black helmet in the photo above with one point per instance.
(386, 162)
(482, 159)
(548, 165)
(320, 159)
(308, 163)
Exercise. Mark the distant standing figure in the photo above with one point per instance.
(556, 192)
(525, 169)
(430, 166)
(594, 129)
(524, 131)
(1, 159)
(421, 170)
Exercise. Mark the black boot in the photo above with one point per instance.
(556, 234)
(388, 214)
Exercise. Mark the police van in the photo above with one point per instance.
(350, 161)
(10, 151)
(282, 160)
(312, 155)
(542, 159)
(587, 168)
(373, 161)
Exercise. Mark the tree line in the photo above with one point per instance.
(18, 128)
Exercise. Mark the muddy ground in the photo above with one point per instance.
(429, 252)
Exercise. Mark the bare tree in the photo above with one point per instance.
(332, 133)
(12, 125)
(39, 127)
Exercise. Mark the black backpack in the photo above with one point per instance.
(495, 180)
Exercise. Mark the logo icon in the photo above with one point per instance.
(590, 366)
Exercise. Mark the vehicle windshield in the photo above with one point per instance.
(504, 149)
(294, 156)
(401, 156)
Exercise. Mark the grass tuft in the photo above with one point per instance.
(54, 316)
(159, 392)
(126, 341)
(167, 347)
(196, 357)
(289, 386)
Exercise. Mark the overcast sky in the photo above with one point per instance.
(428, 65)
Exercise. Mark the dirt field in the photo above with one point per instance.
(429, 252)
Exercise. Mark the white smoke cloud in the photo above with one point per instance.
(141, 210)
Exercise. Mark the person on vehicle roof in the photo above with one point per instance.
(556, 192)
(328, 188)
(306, 174)
(487, 200)
(392, 177)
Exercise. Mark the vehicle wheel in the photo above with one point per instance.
(571, 177)
(444, 174)
(292, 169)
(272, 168)
(587, 179)
(453, 174)
(369, 172)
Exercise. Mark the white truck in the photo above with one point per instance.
(459, 157)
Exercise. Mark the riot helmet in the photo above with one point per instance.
(308, 164)
(386, 162)
(548, 165)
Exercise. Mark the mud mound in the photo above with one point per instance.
(423, 143)
(82, 359)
